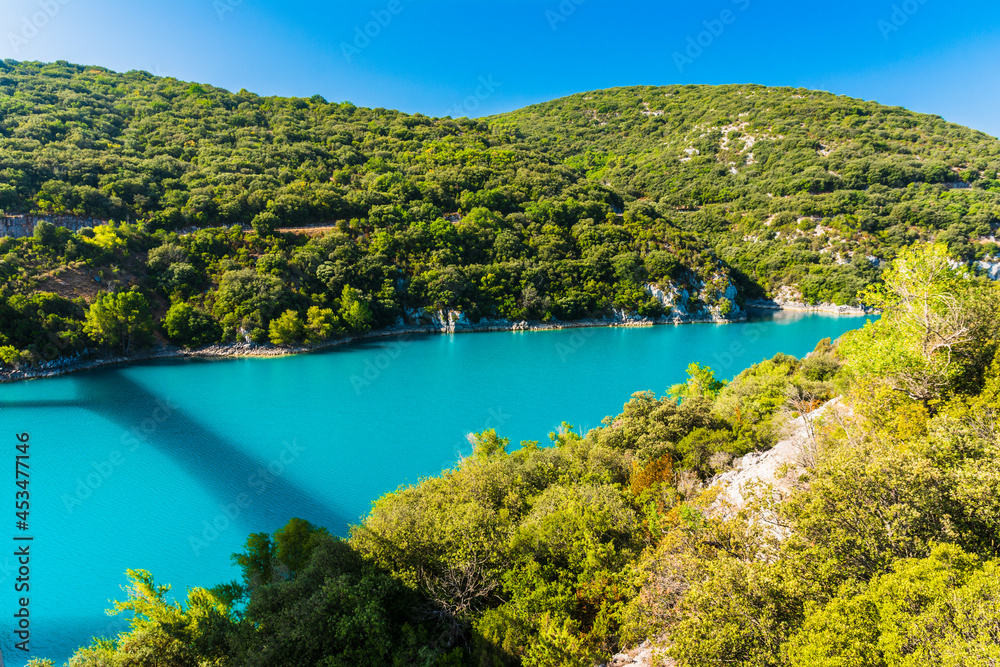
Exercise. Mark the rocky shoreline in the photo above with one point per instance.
(447, 324)
(790, 298)
(769, 304)
(450, 322)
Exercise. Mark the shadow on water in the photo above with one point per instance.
(222, 468)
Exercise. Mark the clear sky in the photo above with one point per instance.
(444, 57)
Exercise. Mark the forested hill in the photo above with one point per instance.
(781, 180)
(735, 164)
(676, 202)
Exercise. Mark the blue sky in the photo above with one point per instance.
(444, 57)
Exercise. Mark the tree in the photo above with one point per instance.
(355, 313)
(49, 236)
(338, 611)
(294, 543)
(249, 296)
(321, 323)
(265, 560)
(937, 328)
(287, 329)
(120, 320)
(10, 355)
(701, 383)
(257, 561)
(161, 633)
(190, 327)
(938, 610)
(264, 223)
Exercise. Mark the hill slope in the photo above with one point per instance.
(675, 202)
(791, 186)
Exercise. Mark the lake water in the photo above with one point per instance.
(168, 466)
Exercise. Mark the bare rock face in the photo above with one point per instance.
(644, 655)
(775, 472)
(778, 468)
(992, 269)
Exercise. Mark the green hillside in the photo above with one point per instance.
(882, 548)
(789, 185)
(671, 203)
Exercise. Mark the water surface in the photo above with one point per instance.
(168, 465)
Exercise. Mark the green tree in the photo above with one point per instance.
(191, 327)
(938, 610)
(321, 323)
(257, 561)
(120, 320)
(10, 355)
(701, 383)
(937, 328)
(287, 329)
(161, 632)
(252, 299)
(355, 312)
(264, 223)
(294, 543)
(337, 612)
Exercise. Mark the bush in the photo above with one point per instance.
(190, 327)
(287, 329)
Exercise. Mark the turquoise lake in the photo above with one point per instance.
(168, 466)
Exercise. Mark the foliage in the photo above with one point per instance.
(580, 207)
(791, 187)
(160, 632)
(355, 313)
(287, 329)
(191, 327)
(41, 327)
(883, 551)
(120, 320)
(937, 610)
(938, 328)
(701, 384)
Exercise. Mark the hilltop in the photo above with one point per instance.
(791, 186)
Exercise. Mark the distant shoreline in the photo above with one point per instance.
(268, 350)
(832, 308)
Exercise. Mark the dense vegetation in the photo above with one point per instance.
(790, 186)
(565, 210)
(884, 553)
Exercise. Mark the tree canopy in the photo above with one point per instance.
(881, 552)
(653, 202)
